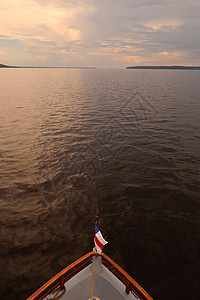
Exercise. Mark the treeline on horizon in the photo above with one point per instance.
(6, 66)
(165, 67)
(134, 67)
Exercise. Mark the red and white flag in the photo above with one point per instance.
(99, 240)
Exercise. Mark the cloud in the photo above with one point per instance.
(103, 33)
(28, 19)
(163, 24)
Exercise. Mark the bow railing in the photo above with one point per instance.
(58, 281)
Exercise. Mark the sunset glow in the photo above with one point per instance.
(99, 33)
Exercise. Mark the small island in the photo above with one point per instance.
(164, 68)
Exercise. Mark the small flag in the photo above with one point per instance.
(99, 240)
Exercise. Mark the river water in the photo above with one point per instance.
(120, 144)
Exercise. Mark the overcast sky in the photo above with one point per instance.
(101, 33)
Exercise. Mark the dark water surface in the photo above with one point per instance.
(123, 144)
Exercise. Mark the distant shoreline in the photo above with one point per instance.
(164, 68)
(21, 67)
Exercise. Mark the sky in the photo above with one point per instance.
(99, 33)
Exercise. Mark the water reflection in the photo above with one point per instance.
(123, 145)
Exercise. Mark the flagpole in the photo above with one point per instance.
(95, 261)
(97, 219)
